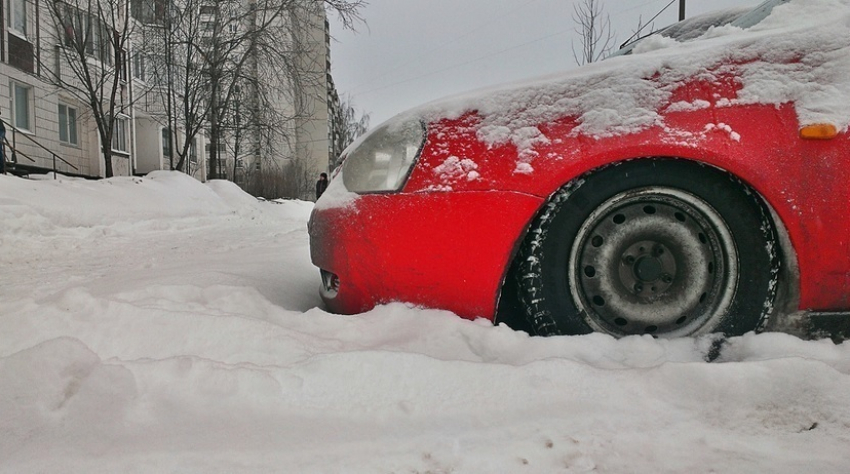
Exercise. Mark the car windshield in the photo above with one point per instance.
(693, 28)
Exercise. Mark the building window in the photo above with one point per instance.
(193, 152)
(100, 46)
(85, 27)
(119, 135)
(166, 143)
(57, 61)
(139, 66)
(149, 12)
(68, 125)
(121, 63)
(22, 106)
(72, 22)
(17, 20)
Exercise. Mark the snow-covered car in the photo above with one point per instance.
(689, 187)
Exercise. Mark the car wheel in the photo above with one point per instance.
(662, 247)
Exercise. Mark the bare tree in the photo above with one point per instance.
(92, 38)
(182, 96)
(594, 29)
(347, 125)
(229, 65)
(290, 69)
(286, 180)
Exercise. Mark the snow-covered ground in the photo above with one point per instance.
(162, 325)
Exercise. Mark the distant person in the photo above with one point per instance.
(2, 147)
(321, 185)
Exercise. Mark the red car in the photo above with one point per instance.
(679, 188)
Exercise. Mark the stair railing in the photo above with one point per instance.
(15, 151)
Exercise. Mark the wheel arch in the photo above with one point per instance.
(788, 293)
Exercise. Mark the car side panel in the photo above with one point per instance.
(805, 181)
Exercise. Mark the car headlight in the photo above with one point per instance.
(385, 157)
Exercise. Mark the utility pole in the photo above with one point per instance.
(681, 10)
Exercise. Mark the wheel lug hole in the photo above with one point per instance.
(638, 288)
(619, 219)
(620, 322)
(589, 271)
(598, 301)
(597, 241)
(629, 260)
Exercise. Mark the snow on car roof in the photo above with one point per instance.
(799, 53)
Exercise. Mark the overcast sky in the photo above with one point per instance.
(412, 51)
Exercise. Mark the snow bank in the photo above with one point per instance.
(32, 206)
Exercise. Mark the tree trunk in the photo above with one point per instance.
(107, 158)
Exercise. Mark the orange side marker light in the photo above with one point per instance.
(819, 131)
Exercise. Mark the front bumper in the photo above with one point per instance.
(436, 250)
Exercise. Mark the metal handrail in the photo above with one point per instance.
(15, 151)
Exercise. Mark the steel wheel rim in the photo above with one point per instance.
(653, 260)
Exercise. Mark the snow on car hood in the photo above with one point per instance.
(800, 53)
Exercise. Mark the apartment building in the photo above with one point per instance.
(50, 125)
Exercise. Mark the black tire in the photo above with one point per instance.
(653, 246)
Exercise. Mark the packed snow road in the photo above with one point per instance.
(163, 325)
